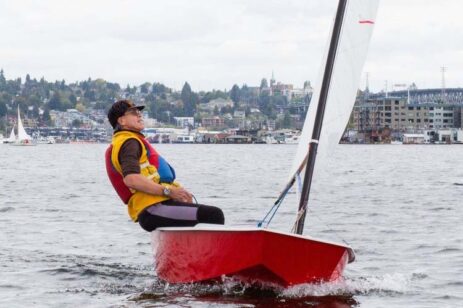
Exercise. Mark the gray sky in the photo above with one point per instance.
(214, 44)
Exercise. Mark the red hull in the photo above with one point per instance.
(185, 255)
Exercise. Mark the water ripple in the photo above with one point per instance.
(6, 209)
(75, 246)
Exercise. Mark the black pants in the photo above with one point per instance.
(171, 213)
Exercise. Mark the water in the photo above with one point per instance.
(66, 240)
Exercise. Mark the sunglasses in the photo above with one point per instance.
(133, 111)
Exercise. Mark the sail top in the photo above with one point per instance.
(354, 39)
(22, 134)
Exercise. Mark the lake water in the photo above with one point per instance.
(66, 240)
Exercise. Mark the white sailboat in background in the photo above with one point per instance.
(12, 137)
(23, 138)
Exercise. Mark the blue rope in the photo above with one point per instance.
(277, 204)
(274, 209)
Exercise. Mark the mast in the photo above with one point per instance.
(313, 145)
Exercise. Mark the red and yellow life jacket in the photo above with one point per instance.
(152, 165)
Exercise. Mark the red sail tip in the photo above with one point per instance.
(371, 22)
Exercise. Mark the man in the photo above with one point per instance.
(144, 180)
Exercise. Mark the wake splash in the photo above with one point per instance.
(386, 285)
(383, 285)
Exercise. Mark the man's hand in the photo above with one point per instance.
(141, 183)
(180, 194)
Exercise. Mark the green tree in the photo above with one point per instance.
(267, 105)
(73, 99)
(13, 87)
(208, 96)
(144, 88)
(263, 83)
(113, 87)
(287, 120)
(2, 81)
(235, 95)
(76, 123)
(5, 98)
(280, 100)
(90, 95)
(33, 100)
(189, 100)
(46, 116)
(55, 102)
(80, 107)
(3, 109)
(130, 90)
(226, 109)
(159, 88)
(21, 102)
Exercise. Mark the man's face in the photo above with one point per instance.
(132, 120)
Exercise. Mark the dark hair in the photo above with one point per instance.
(118, 109)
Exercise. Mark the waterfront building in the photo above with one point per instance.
(271, 124)
(382, 117)
(184, 121)
(213, 122)
(150, 122)
(459, 136)
(413, 138)
(441, 117)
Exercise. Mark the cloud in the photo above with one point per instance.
(214, 44)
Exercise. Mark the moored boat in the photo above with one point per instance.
(184, 139)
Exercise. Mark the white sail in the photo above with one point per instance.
(23, 139)
(352, 49)
(12, 137)
(22, 135)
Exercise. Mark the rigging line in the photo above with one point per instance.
(293, 179)
(300, 213)
(283, 194)
(260, 223)
(274, 209)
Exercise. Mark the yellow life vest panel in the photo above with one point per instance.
(139, 200)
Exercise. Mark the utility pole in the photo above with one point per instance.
(385, 87)
(443, 70)
(367, 82)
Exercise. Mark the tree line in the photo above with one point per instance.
(36, 98)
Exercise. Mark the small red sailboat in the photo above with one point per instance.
(201, 253)
(252, 255)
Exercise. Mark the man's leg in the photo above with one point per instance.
(179, 214)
